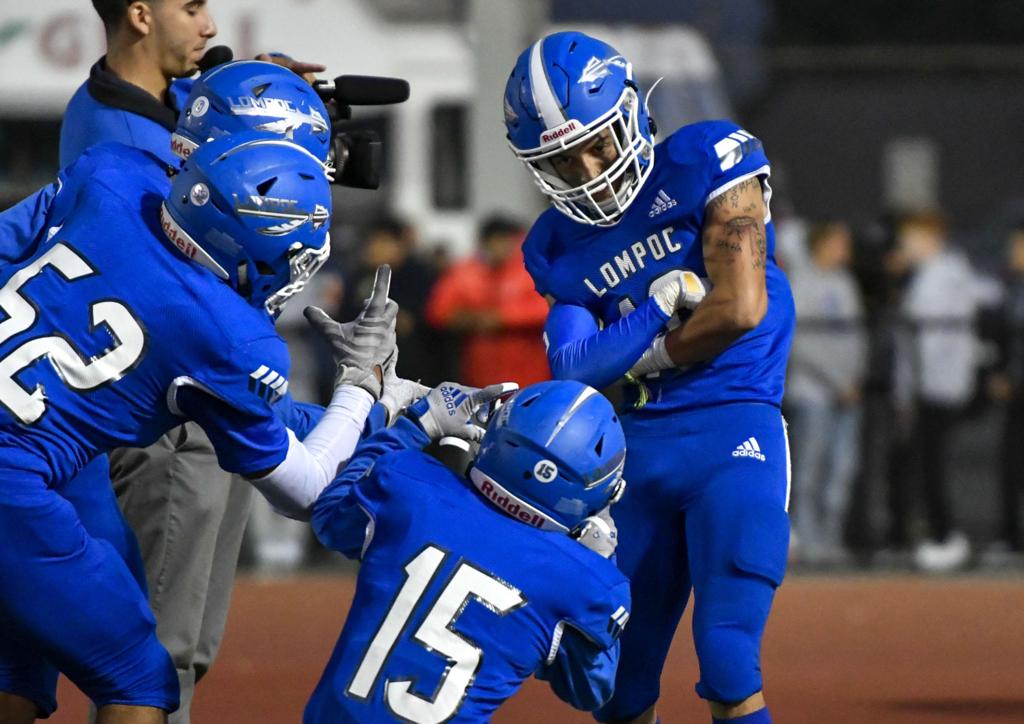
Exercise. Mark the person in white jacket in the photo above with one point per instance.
(936, 367)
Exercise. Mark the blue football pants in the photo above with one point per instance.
(704, 509)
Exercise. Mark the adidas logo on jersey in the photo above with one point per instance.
(617, 622)
(267, 383)
(662, 203)
(748, 449)
(734, 147)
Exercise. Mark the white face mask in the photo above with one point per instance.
(301, 266)
(618, 186)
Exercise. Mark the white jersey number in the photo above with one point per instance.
(435, 634)
(77, 373)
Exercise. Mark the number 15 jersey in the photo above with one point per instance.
(456, 602)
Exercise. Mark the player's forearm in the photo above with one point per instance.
(717, 323)
(309, 466)
(599, 357)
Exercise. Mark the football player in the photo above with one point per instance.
(226, 100)
(634, 230)
(144, 309)
(470, 584)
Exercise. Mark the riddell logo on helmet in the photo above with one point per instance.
(180, 148)
(184, 245)
(510, 506)
(566, 129)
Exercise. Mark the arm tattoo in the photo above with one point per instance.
(745, 230)
(731, 197)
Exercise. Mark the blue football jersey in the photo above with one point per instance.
(105, 325)
(456, 603)
(36, 218)
(610, 270)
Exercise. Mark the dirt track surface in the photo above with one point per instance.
(882, 650)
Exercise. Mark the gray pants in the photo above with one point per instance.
(189, 517)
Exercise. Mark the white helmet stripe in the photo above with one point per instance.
(184, 243)
(583, 397)
(544, 99)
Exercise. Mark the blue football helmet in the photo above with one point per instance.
(552, 455)
(253, 95)
(565, 90)
(255, 210)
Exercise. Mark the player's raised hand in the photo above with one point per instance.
(598, 533)
(678, 290)
(454, 410)
(362, 348)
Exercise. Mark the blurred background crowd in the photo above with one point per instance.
(893, 129)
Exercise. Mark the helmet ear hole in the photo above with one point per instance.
(265, 186)
(599, 447)
(264, 268)
(260, 89)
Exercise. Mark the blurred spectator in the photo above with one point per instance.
(936, 364)
(823, 392)
(490, 301)
(1006, 386)
(393, 241)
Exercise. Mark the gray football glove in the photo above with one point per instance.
(362, 348)
(399, 392)
(598, 533)
(454, 410)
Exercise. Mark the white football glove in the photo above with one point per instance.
(678, 290)
(598, 533)
(453, 410)
(654, 359)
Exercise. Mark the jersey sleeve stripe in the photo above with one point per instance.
(765, 171)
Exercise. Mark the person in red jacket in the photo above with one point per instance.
(489, 300)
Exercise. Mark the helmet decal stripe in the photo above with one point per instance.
(544, 98)
(583, 397)
(184, 243)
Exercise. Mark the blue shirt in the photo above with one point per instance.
(110, 337)
(456, 603)
(106, 108)
(609, 273)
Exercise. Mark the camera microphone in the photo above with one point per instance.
(217, 55)
(363, 90)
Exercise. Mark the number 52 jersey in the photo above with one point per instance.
(105, 323)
